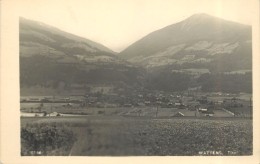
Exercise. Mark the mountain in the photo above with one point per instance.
(53, 59)
(37, 38)
(201, 51)
(200, 41)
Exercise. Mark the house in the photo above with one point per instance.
(219, 102)
(203, 109)
(177, 104)
(208, 113)
(147, 103)
(54, 114)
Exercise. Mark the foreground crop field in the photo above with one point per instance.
(117, 135)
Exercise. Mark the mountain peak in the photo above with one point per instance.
(209, 19)
(200, 15)
(198, 30)
(200, 19)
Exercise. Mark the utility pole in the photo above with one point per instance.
(157, 108)
(52, 102)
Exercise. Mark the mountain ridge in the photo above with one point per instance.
(47, 27)
(199, 34)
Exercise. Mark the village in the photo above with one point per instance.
(155, 104)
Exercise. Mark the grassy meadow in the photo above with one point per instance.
(146, 136)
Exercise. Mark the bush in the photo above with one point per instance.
(46, 139)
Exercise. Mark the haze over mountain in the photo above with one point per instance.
(200, 41)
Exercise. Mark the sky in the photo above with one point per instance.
(118, 23)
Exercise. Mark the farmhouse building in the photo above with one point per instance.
(203, 109)
(208, 113)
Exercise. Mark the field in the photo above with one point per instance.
(122, 111)
(115, 135)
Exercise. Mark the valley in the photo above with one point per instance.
(185, 89)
